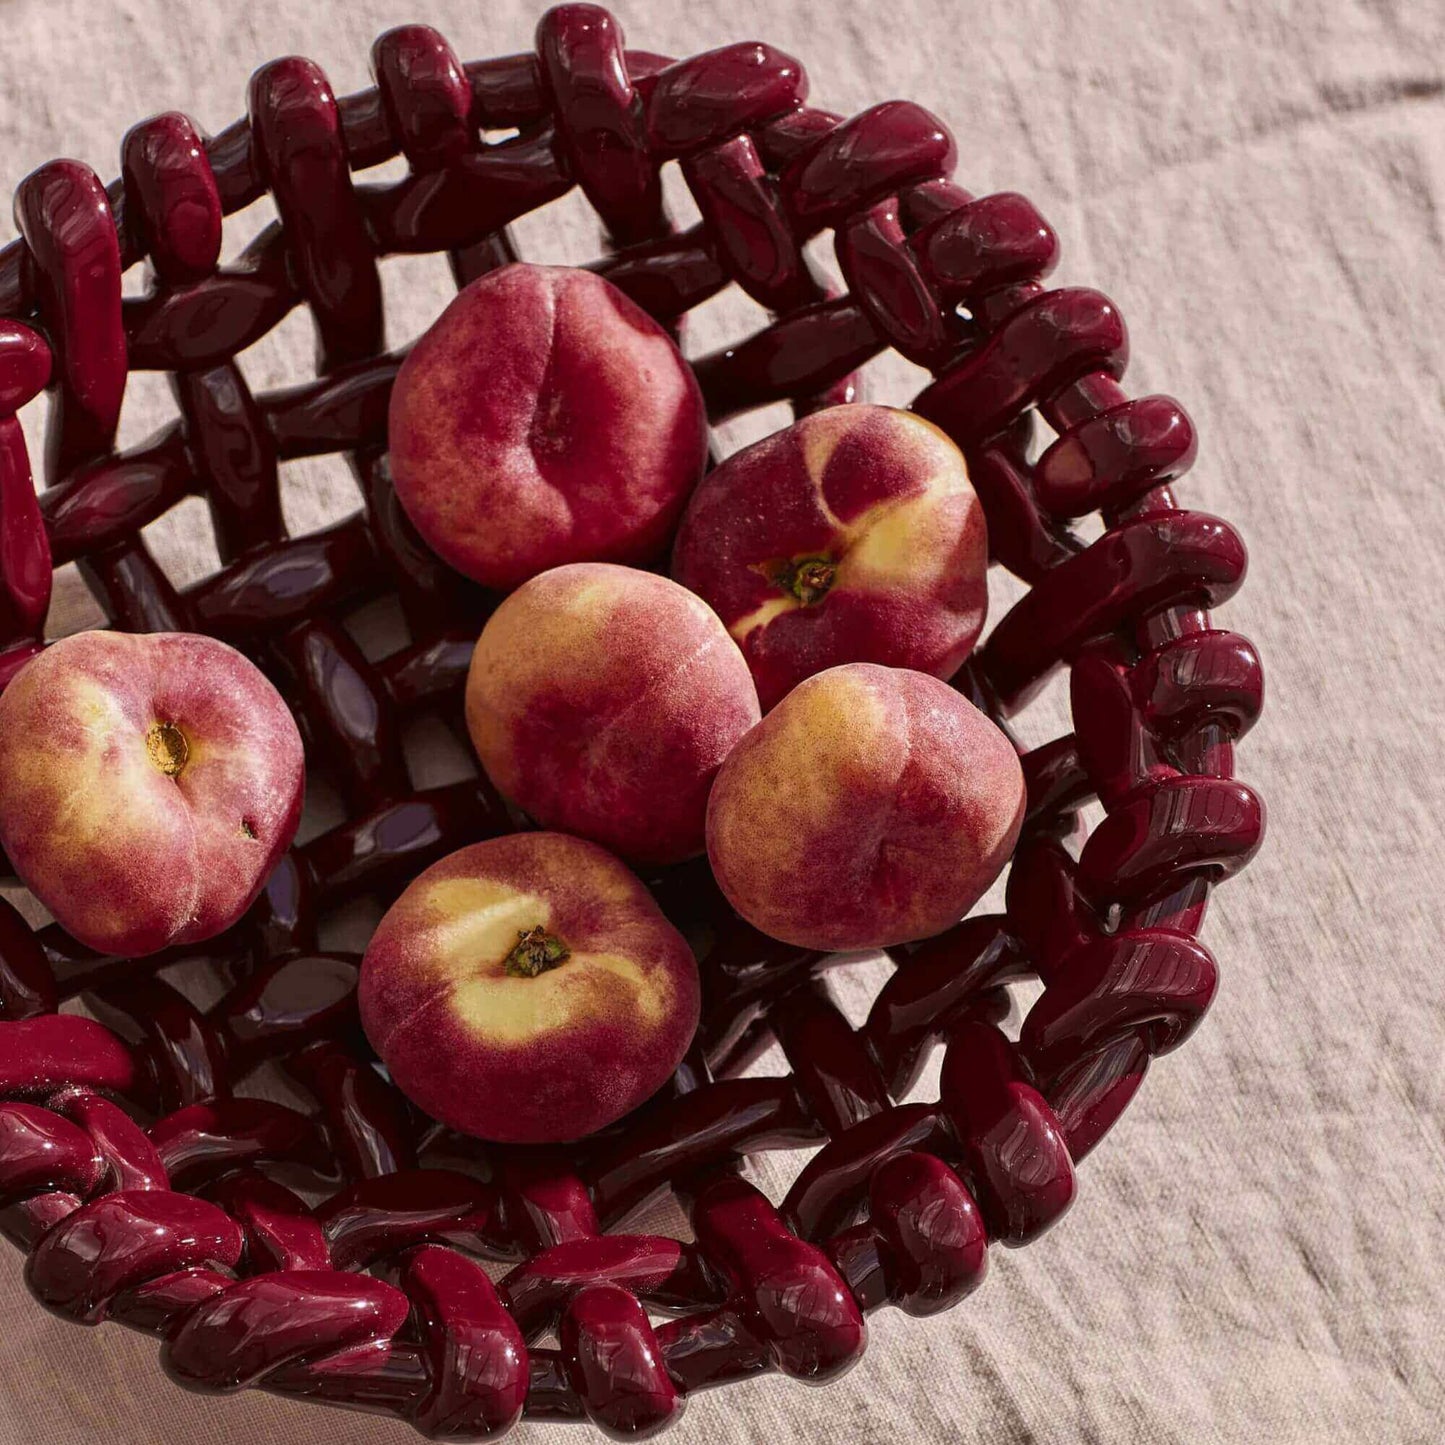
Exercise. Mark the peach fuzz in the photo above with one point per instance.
(148, 785)
(528, 990)
(603, 700)
(872, 806)
(852, 536)
(543, 419)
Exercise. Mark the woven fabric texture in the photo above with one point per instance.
(1256, 1251)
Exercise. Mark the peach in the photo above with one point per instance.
(872, 806)
(148, 785)
(528, 990)
(602, 700)
(852, 536)
(544, 418)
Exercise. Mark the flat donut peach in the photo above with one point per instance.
(872, 806)
(854, 535)
(603, 700)
(528, 989)
(544, 419)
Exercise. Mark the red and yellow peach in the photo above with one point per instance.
(852, 536)
(872, 806)
(545, 418)
(602, 700)
(148, 785)
(528, 989)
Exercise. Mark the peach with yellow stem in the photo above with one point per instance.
(528, 989)
(148, 785)
(853, 535)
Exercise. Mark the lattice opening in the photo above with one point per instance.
(1005, 591)
(677, 198)
(324, 810)
(378, 628)
(719, 321)
(183, 544)
(415, 291)
(563, 232)
(346, 929)
(891, 380)
(434, 754)
(73, 607)
(821, 254)
(244, 227)
(317, 492)
(285, 356)
(149, 407)
(1047, 715)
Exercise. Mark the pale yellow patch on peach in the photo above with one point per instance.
(214, 753)
(505, 1010)
(546, 628)
(815, 737)
(531, 627)
(762, 615)
(81, 701)
(94, 707)
(895, 543)
(473, 923)
(97, 804)
(85, 785)
(88, 810)
(554, 628)
(512, 649)
(820, 437)
(899, 545)
(590, 602)
(492, 737)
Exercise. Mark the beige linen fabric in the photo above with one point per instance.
(1256, 1251)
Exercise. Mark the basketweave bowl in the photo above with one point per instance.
(352, 1252)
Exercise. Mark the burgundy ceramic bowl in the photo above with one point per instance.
(138, 1170)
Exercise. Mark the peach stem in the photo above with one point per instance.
(168, 749)
(536, 952)
(807, 579)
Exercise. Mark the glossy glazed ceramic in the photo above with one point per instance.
(147, 1188)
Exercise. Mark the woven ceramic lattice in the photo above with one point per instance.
(148, 1188)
